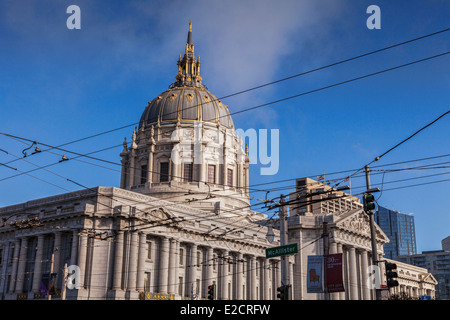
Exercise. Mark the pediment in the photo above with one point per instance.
(357, 221)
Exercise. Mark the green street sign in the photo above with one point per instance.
(282, 250)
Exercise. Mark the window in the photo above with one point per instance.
(149, 250)
(211, 173)
(199, 259)
(180, 286)
(187, 172)
(181, 256)
(230, 177)
(144, 174)
(147, 282)
(164, 172)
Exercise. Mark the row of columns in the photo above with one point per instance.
(130, 176)
(19, 260)
(130, 267)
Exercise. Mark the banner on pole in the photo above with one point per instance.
(314, 277)
(48, 284)
(334, 273)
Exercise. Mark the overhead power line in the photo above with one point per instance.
(274, 82)
(274, 102)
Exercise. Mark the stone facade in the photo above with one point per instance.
(127, 244)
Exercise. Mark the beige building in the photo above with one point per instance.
(180, 221)
(349, 234)
(414, 282)
(311, 195)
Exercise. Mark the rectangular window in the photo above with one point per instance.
(144, 174)
(147, 282)
(230, 177)
(199, 259)
(180, 286)
(164, 172)
(149, 250)
(187, 172)
(181, 256)
(211, 173)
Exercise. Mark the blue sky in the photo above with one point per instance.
(58, 85)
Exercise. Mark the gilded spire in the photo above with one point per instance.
(188, 67)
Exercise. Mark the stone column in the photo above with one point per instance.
(252, 277)
(266, 287)
(209, 265)
(173, 265)
(224, 276)
(150, 162)
(118, 261)
(123, 173)
(364, 275)
(74, 251)
(193, 268)
(21, 267)
(353, 274)
(239, 275)
(132, 267)
(38, 264)
(141, 261)
(82, 258)
(15, 262)
(163, 265)
(131, 168)
(203, 174)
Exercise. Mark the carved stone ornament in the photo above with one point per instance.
(358, 224)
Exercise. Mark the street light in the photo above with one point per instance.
(270, 236)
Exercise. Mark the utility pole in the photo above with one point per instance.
(325, 254)
(372, 232)
(50, 277)
(64, 283)
(283, 241)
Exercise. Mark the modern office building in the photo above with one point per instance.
(437, 262)
(400, 229)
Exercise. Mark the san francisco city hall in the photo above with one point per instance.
(180, 221)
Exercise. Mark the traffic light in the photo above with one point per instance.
(280, 294)
(283, 292)
(368, 201)
(211, 291)
(391, 274)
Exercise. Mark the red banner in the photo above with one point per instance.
(334, 273)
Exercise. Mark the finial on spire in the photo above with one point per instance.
(189, 39)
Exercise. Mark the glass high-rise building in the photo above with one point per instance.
(400, 229)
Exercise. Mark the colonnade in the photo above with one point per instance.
(185, 269)
(27, 258)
